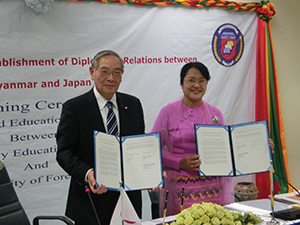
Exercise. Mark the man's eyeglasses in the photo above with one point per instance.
(201, 82)
(105, 73)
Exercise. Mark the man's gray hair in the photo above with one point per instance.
(95, 62)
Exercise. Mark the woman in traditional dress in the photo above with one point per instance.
(176, 122)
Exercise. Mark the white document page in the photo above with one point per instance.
(108, 163)
(251, 148)
(142, 162)
(141, 158)
(214, 150)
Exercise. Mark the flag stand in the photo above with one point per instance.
(124, 212)
(122, 202)
(273, 220)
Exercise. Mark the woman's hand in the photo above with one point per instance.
(272, 145)
(158, 188)
(190, 163)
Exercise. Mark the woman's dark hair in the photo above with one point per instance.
(198, 65)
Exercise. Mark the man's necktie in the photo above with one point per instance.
(112, 125)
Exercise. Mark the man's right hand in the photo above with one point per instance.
(92, 182)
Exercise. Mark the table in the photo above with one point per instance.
(260, 207)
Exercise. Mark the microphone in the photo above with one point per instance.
(298, 193)
(165, 210)
(88, 191)
(182, 195)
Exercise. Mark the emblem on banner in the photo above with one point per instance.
(227, 44)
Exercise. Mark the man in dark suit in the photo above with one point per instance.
(79, 118)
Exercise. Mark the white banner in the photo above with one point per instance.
(45, 59)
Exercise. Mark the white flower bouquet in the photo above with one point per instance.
(214, 214)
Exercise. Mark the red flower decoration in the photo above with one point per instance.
(267, 11)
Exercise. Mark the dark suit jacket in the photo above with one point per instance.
(79, 118)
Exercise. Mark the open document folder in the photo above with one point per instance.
(135, 160)
(124, 211)
(293, 197)
(233, 150)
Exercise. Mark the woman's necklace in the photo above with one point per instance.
(190, 117)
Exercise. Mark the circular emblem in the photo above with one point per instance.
(227, 44)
